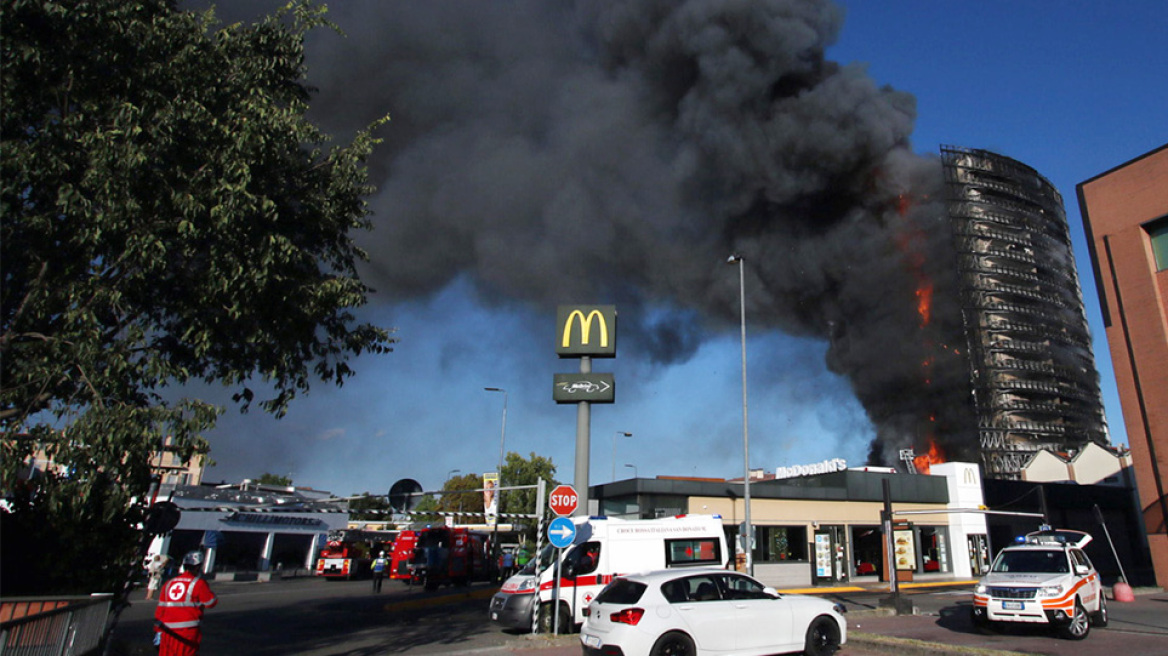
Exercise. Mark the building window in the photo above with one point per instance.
(934, 542)
(1158, 233)
(777, 544)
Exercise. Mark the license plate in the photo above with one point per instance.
(592, 641)
(1013, 605)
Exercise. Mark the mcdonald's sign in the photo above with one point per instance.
(586, 330)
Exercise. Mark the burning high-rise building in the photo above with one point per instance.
(1034, 382)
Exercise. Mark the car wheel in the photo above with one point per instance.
(674, 644)
(823, 637)
(980, 621)
(547, 618)
(1079, 626)
(1099, 617)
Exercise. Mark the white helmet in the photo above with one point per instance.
(193, 559)
(383, 554)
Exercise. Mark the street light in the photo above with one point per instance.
(747, 545)
(502, 433)
(499, 482)
(452, 472)
(618, 433)
(634, 469)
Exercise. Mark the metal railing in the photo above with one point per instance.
(53, 626)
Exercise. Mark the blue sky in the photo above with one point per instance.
(1069, 88)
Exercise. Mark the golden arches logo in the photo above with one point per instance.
(585, 328)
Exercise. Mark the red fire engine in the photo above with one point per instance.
(434, 556)
(349, 553)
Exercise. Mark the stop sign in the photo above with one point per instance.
(563, 500)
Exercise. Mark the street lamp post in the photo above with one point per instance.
(452, 472)
(634, 469)
(499, 482)
(617, 434)
(747, 544)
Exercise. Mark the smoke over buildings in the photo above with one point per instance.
(617, 152)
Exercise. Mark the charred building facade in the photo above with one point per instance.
(1034, 382)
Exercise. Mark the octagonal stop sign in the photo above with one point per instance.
(563, 500)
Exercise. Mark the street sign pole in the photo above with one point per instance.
(540, 505)
(583, 442)
(561, 534)
(556, 595)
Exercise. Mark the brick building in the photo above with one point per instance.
(1125, 215)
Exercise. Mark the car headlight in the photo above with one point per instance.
(526, 585)
(981, 588)
(1050, 591)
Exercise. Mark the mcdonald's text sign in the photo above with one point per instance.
(586, 330)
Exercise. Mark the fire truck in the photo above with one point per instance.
(348, 553)
(441, 555)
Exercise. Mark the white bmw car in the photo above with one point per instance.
(691, 612)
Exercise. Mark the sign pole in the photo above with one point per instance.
(540, 504)
(556, 595)
(583, 443)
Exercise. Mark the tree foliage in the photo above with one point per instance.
(274, 479)
(464, 494)
(518, 470)
(369, 507)
(169, 216)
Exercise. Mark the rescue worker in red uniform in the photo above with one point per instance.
(180, 609)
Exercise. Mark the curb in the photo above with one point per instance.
(911, 647)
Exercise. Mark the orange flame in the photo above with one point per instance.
(926, 460)
(924, 300)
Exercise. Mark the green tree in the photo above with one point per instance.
(369, 507)
(518, 470)
(169, 216)
(464, 494)
(426, 511)
(274, 479)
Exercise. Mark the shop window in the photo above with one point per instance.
(777, 544)
(1158, 233)
(934, 544)
(867, 550)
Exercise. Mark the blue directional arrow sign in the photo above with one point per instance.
(561, 532)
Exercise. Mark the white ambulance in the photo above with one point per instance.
(604, 548)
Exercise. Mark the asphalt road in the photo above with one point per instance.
(314, 617)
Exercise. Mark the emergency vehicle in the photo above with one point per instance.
(1047, 579)
(348, 553)
(602, 549)
(440, 555)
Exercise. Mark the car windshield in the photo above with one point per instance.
(547, 556)
(1039, 562)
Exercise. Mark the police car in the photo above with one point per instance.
(1047, 579)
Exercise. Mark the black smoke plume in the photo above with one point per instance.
(614, 151)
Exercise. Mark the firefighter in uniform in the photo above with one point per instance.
(380, 564)
(180, 609)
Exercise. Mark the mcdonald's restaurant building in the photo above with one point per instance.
(826, 529)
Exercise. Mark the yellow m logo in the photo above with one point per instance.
(597, 336)
(585, 328)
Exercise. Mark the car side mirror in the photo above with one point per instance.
(1082, 570)
(771, 592)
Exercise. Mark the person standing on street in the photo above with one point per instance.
(154, 570)
(180, 609)
(380, 563)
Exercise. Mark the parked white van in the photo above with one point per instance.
(602, 549)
